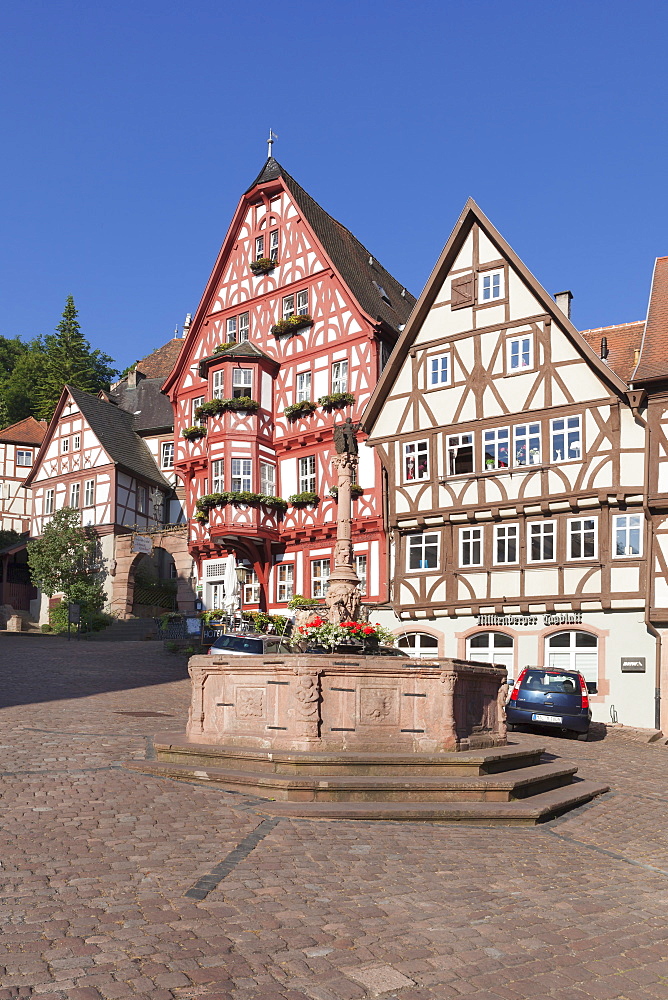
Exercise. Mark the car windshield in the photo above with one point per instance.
(551, 680)
(238, 643)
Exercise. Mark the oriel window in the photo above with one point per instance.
(242, 382)
(241, 475)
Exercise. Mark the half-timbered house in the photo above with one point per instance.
(527, 468)
(291, 334)
(18, 446)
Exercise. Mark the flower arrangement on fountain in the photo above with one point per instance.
(320, 632)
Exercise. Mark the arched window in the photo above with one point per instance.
(574, 651)
(491, 647)
(418, 644)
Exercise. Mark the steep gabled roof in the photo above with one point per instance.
(27, 431)
(160, 363)
(151, 409)
(470, 215)
(377, 292)
(653, 362)
(623, 342)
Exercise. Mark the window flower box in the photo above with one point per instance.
(304, 499)
(214, 407)
(297, 410)
(224, 347)
(325, 634)
(336, 400)
(193, 433)
(355, 491)
(291, 324)
(237, 499)
(263, 266)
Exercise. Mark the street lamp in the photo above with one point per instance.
(241, 577)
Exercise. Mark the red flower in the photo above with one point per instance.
(369, 631)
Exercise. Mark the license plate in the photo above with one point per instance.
(546, 718)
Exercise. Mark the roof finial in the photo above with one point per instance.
(270, 142)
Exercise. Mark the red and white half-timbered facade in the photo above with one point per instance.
(299, 317)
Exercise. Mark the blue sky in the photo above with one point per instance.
(132, 128)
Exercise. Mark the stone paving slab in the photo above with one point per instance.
(97, 861)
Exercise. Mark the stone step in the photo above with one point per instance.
(515, 784)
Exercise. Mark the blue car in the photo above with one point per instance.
(554, 698)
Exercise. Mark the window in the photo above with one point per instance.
(302, 302)
(268, 479)
(259, 247)
(470, 546)
(241, 475)
(24, 458)
(285, 589)
(142, 499)
(423, 551)
(244, 326)
(439, 370)
(418, 645)
(566, 439)
(307, 474)
(75, 495)
(340, 376)
(627, 530)
(288, 306)
(360, 569)
(497, 448)
(416, 460)
(303, 387)
(542, 536)
(520, 353)
(527, 444)
(582, 538)
(490, 286)
(77, 442)
(460, 454)
(89, 493)
(273, 245)
(574, 651)
(242, 382)
(319, 577)
(231, 334)
(251, 585)
(505, 543)
(194, 407)
(217, 389)
(167, 455)
(216, 596)
(217, 476)
(491, 647)
(65, 445)
(48, 501)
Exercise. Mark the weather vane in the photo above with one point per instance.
(270, 142)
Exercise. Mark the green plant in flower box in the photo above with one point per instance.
(193, 433)
(336, 400)
(291, 324)
(355, 491)
(301, 409)
(304, 499)
(263, 265)
(320, 632)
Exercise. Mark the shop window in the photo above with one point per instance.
(574, 650)
(418, 645)
(492, 647)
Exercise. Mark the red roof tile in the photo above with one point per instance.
(160, 363)
(654, 351)
(28, 431)
(624, 341)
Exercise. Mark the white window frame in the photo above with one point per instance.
(303, 387)
(505, 655)
(361, 565)
(244, 327)
(503, 535)
(218, 384)
(471, 538)
(532, 454)
(194, 406)
(486, 281)
(142, 499)
(251, 587)
(242, 379)
(89, 493)
(575, 659)
(64, 445)
(572, 425)
(542, 534)
(302, 302)
(273, 244)
(242, 475)
(21, 455)
(419, 542)
(231, 330)
(412, 451)
(454, 443)
(166, 454)
(259, 247)
(288, 306)
(307, 474)
(320, 570)
(582, 532)
(217, 596)
(77, 442)
(218, 476)
(268, 479)
(519, 341)
(49, 500)
(625, 529)
(440, 371)
(430, 650)
(285, 582)
(340, 376)
(494, 439)
(75, 495)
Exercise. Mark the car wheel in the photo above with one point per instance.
(583, 736)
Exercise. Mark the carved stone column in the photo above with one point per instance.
(501, 697)
(306, 705)
(343, 595)
(449, 725)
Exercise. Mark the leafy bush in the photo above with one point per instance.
(241, 498)
(263, 265)
(336, 400)
(297, 410)
(213, 407)
(193, 433)
(92, 619)
(304, 499)
(303, 602)
(46, 628)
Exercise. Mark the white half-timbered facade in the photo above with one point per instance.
(521, 482)
(19, 444)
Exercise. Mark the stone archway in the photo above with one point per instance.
(126, 561)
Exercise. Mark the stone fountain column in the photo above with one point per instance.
(343, 596)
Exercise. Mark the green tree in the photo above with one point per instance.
(8, 537)
(17, 387)
(68, 360)
(65, 560)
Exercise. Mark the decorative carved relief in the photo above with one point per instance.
(307, 705)
(377, 704)
(249, 703)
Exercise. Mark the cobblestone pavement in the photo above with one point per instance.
(96, 862)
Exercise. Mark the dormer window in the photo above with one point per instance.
(259, 247)
(273, 245)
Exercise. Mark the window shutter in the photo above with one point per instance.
(462, 291)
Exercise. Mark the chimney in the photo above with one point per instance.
(134, 376)
(604, 348)
(563, 300)
(186, 324)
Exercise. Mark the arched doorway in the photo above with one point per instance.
(155, 583)
(172, 562)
